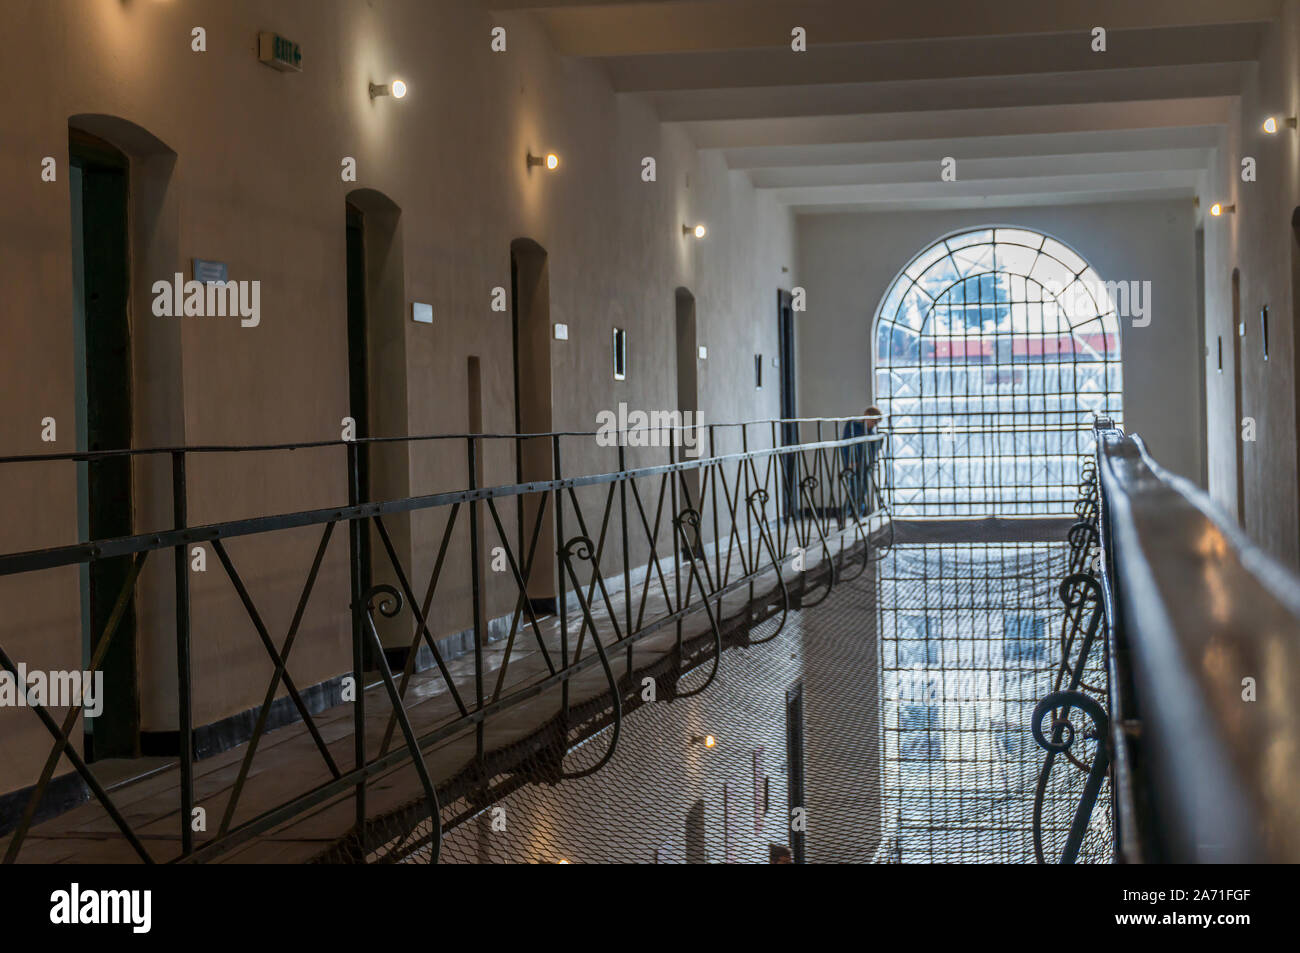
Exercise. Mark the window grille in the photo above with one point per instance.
(994, 349)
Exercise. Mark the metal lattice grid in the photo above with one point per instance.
(970, 638)
(665, 797)
(994, 349)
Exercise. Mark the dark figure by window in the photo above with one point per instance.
(860, 458)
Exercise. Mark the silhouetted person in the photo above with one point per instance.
(860, 458)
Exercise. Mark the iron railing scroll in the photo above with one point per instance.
(1076, 737)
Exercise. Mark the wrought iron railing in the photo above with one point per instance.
(1076, 742)
(748, 511)
(1198, 631)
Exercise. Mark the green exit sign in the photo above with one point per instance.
(279, 53)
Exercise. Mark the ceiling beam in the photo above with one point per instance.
(991, 189)
(933, 59)
(883, 127)
(618, 29)
(994, 92)
(974, 147)
(983, 169)
(1022, 200)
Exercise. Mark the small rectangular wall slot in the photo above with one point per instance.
(696, 841)
(758, 371)
(794, 765)
(620, 354)
(1220, 341)
(1263, 328)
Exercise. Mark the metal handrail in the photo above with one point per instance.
(72, 553)
(1198, 618)
(817, 494)
(84, 456)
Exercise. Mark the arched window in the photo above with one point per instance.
(994, 349)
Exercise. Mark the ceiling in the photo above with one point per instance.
(887, 88)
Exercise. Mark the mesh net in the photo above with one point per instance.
(971, 637)
(917, 681)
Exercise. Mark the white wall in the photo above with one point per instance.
(847, 262)
(1259, 241)
(256, 184)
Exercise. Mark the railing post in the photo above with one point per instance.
(356, 526)
(673, 479)
(796, 490)
(743, 474)
(819, 471)
(519, 506)
(779, 494)
(476, 590)
(184, 694)
(562, 592)
(713, 502)
(627, 558)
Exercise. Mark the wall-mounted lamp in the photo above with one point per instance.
(707, 740)
(551, 161)
(1272, 124)
(396, 89)
(699, 231)
(1218, 208)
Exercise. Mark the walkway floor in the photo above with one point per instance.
(288, 763)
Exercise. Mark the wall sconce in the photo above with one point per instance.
(1218, 208)
(707, 740)
(551, 161)
(699, 231)
(396, 89)
(1272, 124)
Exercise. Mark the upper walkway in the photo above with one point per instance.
(732, 542)
(955, 691)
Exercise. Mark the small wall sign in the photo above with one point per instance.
(279, 53)
(209, 271)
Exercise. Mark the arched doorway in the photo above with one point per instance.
(1237, 403)
(377, 396)
(994, 349)
(1295, 317)
(126, 369)
(101, 264)
(688, 385)
(530, 302)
